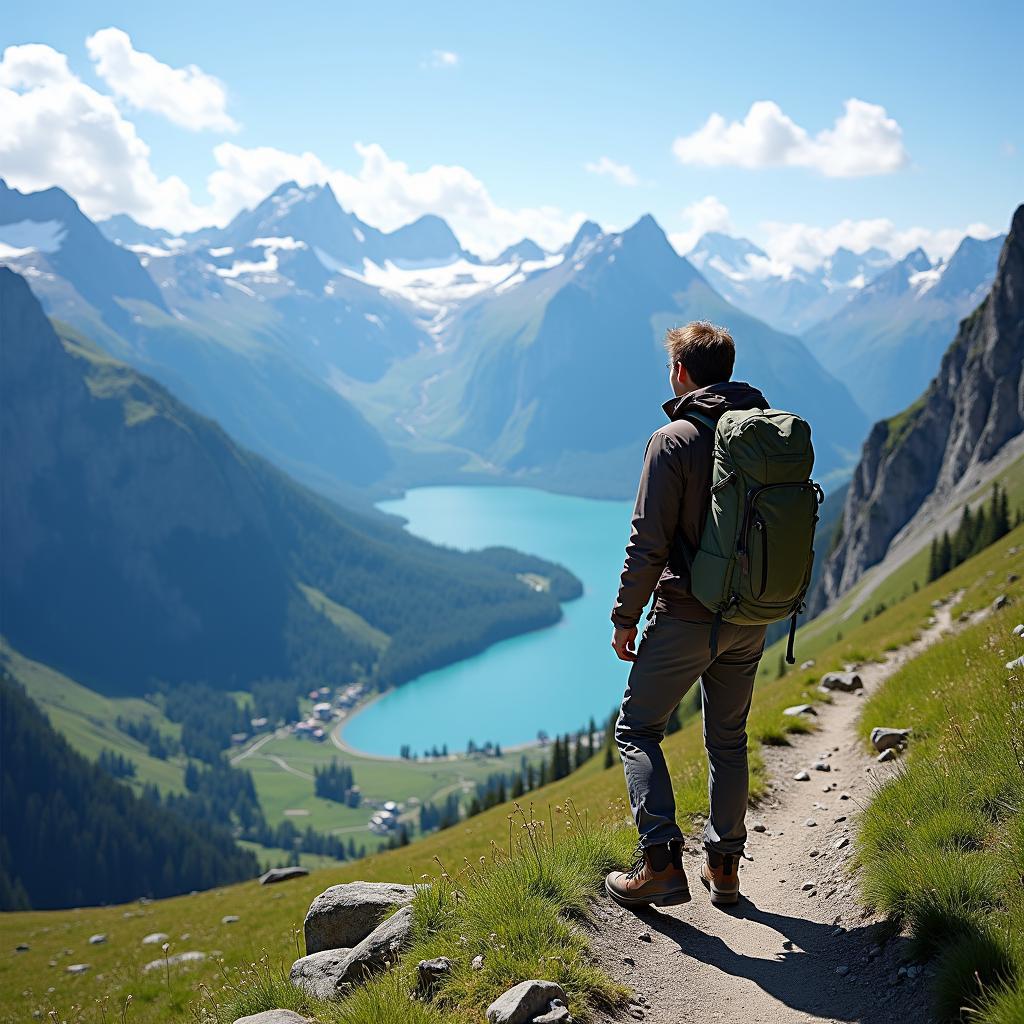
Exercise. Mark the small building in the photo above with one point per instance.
(322, 711)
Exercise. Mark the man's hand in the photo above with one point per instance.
(622, 643)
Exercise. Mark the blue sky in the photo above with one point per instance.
(536, 93)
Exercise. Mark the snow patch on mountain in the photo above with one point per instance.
(436, 290)
(28, 236)
(268, 265)
(924, 280)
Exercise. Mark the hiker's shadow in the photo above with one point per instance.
(802, 975)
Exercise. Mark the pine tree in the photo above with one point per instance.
(933, 560)
(590, 738)
(982, 531)
(963, 539)
(945, 554)
(609, 759)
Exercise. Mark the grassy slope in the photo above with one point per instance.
(87, 719)
(943, 844)
(272, 917)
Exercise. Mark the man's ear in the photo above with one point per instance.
(682, 376)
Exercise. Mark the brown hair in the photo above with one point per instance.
(708, 352)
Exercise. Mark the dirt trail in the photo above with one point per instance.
(785, 954)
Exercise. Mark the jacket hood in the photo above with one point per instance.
(715, 399)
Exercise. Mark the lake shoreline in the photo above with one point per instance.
(553, 678)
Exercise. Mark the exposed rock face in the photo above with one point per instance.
(972, 408)
(344, 915)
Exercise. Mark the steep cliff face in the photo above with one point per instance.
(971, 409)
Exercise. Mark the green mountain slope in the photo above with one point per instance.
(141, 543)
(72, 836)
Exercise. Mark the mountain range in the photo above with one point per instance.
(968, 425)
(789, 298)
(886, 342)
(361, 361)
(878, 324)
(300, 305)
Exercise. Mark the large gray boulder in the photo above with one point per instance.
(274, 1017)
(282, 874)
(521, 1003)
(323, 974)
(342, 916)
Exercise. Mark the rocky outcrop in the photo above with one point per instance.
(343, 915)
(972, 408)
(323, 974)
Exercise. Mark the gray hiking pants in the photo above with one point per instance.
(671, 655)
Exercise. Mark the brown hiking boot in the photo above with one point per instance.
(656, 877)
(720, 875)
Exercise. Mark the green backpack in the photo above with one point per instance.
(754, 562)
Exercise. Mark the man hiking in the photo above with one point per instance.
(687, 637)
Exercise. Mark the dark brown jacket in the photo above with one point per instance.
(671, 505)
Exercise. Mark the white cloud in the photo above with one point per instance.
(863, 140)
(245, 177)
(806, 246)
(707, 214)
(187, 96)
(440, 60)
(621, 174)
(59, 131)
(387, 194)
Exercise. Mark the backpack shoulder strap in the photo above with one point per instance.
(701, 418)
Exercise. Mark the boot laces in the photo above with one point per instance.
(639, 861)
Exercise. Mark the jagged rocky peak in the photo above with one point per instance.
(730, 251)
(588, 232)
(521, 252)
(911, 464)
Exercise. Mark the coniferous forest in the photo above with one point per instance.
(72, 835)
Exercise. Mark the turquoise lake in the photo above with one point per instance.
(552, 679)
